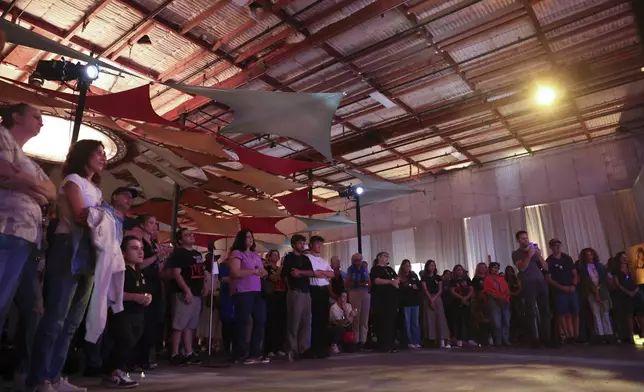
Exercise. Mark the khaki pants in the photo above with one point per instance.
(435, 321)
(361, 301)
(298, 321)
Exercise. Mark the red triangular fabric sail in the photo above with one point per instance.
(202, 239)
(267, 163)
(298, 203)
(131, 104)
(162, 210)
(260, 225)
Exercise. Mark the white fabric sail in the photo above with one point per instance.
(306, 117)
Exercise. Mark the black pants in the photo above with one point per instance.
(228, 335)
(319, 320)
(275, 322)
(151, 331)
(385, 321)
(462, 319)
(536, 293)
(125, 330)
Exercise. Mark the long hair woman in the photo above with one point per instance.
(517, 307)
(410, 302)
(629, 296)
(497, 299)
(246, 271)
(462, 292)
(435, 320)
(384, 299)
(594, 279)
(69, 276)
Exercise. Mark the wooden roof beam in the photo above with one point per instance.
(205, 14)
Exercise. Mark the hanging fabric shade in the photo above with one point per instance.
(162, 210)
(298, 203)
(332, 222)
(199, 197)
(263, 207)
(258, 179)
(280, 166)
(153, 186)
(377, 191)
(220, 184)
(306, 117)
(198, 158)
(212, 225)
(260, 225)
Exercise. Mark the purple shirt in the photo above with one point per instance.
(249, 261)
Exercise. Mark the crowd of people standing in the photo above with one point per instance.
(136, 295)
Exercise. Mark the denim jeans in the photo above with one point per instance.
(500, 314)
(14, 253)
(412, 324)
(247, 305)
(66, 298)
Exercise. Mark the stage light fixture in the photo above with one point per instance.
(545, 95)
(90, 71)
(65, 71)
(359, 190)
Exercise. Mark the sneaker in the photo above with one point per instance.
(119, 380)
(411, 346)
(193, 358)
(472, 343)
(335, 349)
(45, 387)
(459, 343)
(447, 346)
(177, 360)
(250, 361)
(263, 360)
(150, 366)
(63, 385)
(271, 354)
(281, 354)
(418, 346)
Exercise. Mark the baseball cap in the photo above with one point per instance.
(554, 241)
(123, 189)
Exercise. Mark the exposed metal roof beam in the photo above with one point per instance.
(205, 14)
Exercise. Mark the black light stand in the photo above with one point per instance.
(83, 87)
(353, 193)
(213, 360)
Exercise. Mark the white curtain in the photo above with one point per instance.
(479, 240)
(545, 222)
(443, 242)
(381, 242)
(583, 227)
(618, 213)
(404, 247)
(345, 249)
(503, 238)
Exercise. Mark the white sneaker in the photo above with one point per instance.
(335, 349)
(281, 354)
(447, 346)
(63, 385)
(45, 387)
(120, 380)
(459, 343)
(271, 354)
(473, 343)
(411, 346)
(419, 346)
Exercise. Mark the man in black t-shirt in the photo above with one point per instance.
(563, 278)
(188, 270)
(296, 271)
(125, 328)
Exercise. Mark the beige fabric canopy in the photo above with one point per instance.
(212, 225)
(263, 181)
(253, 207)
(153, 186)
(199, 142)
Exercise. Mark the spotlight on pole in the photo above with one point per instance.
(65, 71)
(353, 193)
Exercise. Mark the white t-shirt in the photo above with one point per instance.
(336, 313)
(90, 193)
(319, 264)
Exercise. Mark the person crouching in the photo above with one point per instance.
(125, 328)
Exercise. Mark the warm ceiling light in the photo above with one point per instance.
(545, 95)
(52, 143)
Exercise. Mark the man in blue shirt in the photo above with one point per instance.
(563, 279)
(357, 284)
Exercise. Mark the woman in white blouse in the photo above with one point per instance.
(69, 275)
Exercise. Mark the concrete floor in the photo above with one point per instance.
(605, 368)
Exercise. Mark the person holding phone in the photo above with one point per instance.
(532, 267)
(189, 273)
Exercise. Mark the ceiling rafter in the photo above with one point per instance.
(205, 14)
(553, 61)
(450, 60)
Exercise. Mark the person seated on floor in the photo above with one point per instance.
(126, 327)
(341, 317)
